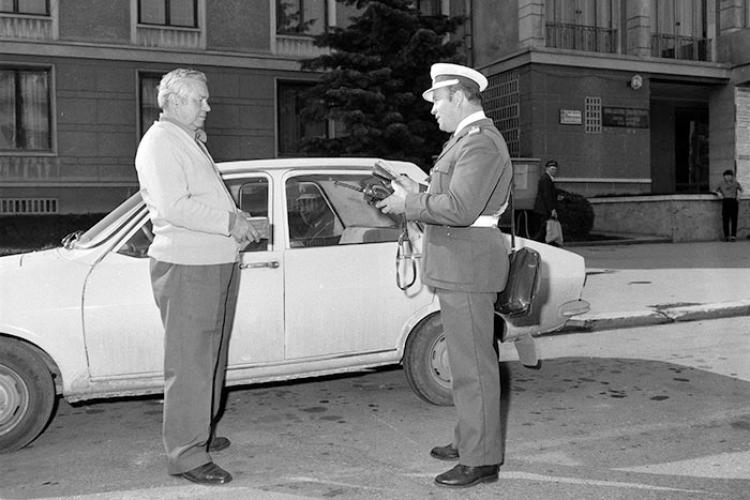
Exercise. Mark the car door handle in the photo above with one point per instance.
(273, 264)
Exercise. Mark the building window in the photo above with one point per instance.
(33, 7)
(588, 25)
(592, 123)
(177, 13)
(680, 30)
(149, 106)
(301, 17)
(25, 111)
(292, 128)
(502, 103)
(428, 7)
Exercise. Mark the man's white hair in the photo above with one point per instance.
(175, 83)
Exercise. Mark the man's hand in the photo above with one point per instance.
(243, 231)
(395, 203)
(409, 185)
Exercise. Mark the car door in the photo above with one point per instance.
(121, 323)
(258, 334)
(122, 326)
(340, 285)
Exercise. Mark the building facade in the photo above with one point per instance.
(630, 96)
(78, 88)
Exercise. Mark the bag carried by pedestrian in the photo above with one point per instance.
(554, 232)
(516, 299)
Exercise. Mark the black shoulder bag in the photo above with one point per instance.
(516, 299)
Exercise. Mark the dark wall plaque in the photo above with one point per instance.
(624, 117)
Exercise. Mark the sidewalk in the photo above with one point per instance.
(632, 285)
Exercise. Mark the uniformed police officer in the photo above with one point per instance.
(465, 261)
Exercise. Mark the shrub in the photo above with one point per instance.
(576, 215)
(22, 233)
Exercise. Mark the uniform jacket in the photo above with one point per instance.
(546, 196)
(471, 177)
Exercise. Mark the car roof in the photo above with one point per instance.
(230, 167)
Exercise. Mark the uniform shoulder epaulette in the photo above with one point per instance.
(474, 130)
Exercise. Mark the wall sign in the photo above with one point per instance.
(624, 117)
(570, 117)
(742, 135)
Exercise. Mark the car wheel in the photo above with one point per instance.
(426, 362)
(27, 395)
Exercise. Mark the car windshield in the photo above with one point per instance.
(103, 227)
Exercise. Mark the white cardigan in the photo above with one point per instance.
(188, 202)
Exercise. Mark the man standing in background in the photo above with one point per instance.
(545, 204)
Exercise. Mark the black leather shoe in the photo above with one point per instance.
(463, 476)
(218, 444)
(537, 366)
(447, 452)
(208, 474)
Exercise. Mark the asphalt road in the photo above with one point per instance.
(644, 413)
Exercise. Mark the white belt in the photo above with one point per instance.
(486, 221)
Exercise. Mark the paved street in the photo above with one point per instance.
(659, 412)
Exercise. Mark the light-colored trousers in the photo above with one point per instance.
(468, 322)
(197, 305)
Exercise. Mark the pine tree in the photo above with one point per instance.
(375, 74)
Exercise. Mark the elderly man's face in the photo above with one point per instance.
(191, 109)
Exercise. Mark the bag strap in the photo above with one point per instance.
(512, 220)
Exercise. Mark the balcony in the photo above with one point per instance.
(680, 47)
(297, 46)
(21, 27)
(169, 37)
(581, 37)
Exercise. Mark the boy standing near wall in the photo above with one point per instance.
(729, 190)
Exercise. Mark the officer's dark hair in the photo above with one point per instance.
(469, 87)
(728, 172)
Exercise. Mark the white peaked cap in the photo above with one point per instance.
(446, 74)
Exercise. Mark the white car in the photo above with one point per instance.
(316, 298)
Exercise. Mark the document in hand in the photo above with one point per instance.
(261, 225)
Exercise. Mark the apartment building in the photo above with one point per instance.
(630, 96)
(78, 80)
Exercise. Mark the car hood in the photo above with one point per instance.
(38, 281)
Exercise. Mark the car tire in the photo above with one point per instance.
(426, 362)
(27, 395)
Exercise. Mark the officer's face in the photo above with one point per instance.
(445, 109)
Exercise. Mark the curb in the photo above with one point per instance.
(623, 240)
(633, 319)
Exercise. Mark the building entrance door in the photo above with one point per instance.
(691, 150)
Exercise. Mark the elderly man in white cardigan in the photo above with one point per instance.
(198, 232)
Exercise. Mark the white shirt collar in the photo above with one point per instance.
(476, 116)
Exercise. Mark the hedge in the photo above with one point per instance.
(23, 233)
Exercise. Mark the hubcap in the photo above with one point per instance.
(14, 400)
(441, 370)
